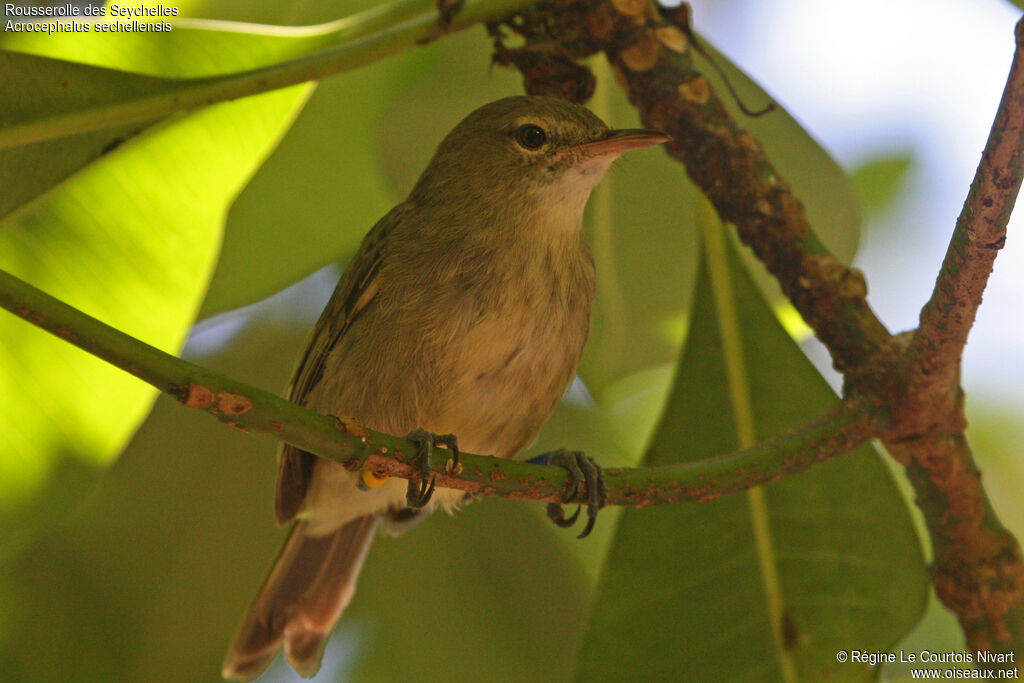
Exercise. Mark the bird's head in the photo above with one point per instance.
(534, 152)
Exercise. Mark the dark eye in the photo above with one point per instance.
(531, 136)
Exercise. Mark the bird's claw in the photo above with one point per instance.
(557, 515)
(586, 485)
(420, 492)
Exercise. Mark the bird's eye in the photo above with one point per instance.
(530, 136)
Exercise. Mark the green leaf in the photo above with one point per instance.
(419, 115)
(142, 221)
(307, 193)
(69, 73)
(640, 227)
(821, 184)
(641, 307)
(319, 192)
(36, 87)
(131, 240)
(816, 178)
(348, 43)
(683, 595)
(195, 47)
(879, 181)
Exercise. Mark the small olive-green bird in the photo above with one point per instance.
(465, 311)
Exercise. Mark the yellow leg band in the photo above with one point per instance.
(371, 480)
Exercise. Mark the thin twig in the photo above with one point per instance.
(346, 441)
(980, 233)
(978, 570)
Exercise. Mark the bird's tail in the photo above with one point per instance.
(302, 597)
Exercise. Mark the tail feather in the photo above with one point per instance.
(304, 651)
(307, 589)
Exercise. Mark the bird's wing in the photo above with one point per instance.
(354, 292)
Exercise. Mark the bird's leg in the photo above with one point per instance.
(419, 494)
(586, 484)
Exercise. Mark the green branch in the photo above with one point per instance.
(346, 441)
(375, 34)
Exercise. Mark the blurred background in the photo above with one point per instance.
(146, 576)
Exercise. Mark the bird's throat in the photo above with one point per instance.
(558, 207)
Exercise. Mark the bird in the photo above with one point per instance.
(460, 321)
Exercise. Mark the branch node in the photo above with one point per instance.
(196, 396)
(233, 404)
(350, 425)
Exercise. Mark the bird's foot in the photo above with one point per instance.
(586, 484)
(419, 493)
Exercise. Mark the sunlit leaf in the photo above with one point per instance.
(131, 240)
(79, 73)
(34, 87)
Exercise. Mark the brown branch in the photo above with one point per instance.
(979, 235)
(733, 171)
(978, 571)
